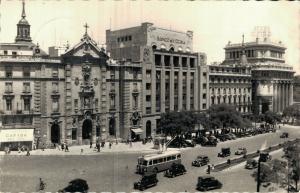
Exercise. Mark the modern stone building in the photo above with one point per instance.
(272, 78)
(231, 84)
(174, 78)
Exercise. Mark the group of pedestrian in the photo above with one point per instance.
(210, 168)
(62, 147)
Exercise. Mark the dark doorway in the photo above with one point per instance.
(265, 107)
(87, 129)
(148, 129)
(55, 133)
(112, 123)
(97, 131)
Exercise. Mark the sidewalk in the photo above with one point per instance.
(76, 150)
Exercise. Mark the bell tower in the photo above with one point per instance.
(23, 28)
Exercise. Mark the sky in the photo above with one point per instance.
(214, 23)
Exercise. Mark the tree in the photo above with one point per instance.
(292, 154)
(177, 123)
(271, 117)
(225, 115)
(292, 112)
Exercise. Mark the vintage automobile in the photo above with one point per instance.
(284, 135)
(224, 152)
(222, 137)
(209, 141)
(201, 160)
(233, 136)
(175, 170)
(77, 185)
(241, 151)
(146, 182)
(251, 164)
(208, 183)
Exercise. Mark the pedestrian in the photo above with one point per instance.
(58, 147)
(212, 167)
(42, 185)
(208, 169)
(91, 144)
(130, 143)
(28, 153)
(110, 144)
(54, 145)
(98, 146)
(62, 146)
(116, 141)
(81, 151)
(67, 148)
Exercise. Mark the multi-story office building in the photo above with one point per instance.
(272, 78)
(174, 78)
(231, 85)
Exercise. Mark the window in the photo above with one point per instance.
(74, 133)
(5, 52)
(14, 54)
(176, 61)
(96, 103)
(55, 87)
(178, 156)
(8, 73)
(135, 74)
(112, 101)
(204, 106)
(192, 62)
(55, 72)
(135, 101)
(204, 86)
(148, 98)
(27, 104)
(169, 158)
(8, 104)
(148, 74)
(118, 39)
(55, 105)
(148, 110)
(129, 38)
(204, 96)
(26, 72)
(184, 62)
(157, 60)
(8, 87)
(148, 86)
(26, 87)
(75, 103)
(150, 163)
(155, 161)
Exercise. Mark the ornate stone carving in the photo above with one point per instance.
(86, 71)
(146, 55)
(95, 81)
(135, 118)
(76, 81)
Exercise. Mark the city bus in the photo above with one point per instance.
(157, 162)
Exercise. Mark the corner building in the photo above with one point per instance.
(272, 78)
(172, 74)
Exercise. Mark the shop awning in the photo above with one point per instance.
(16, 135)
(137, 131)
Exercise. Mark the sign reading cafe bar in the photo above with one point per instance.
(16, 135)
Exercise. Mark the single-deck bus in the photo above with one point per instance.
(157, 162)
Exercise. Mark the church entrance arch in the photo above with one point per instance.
(112, 127)
(55, 133)
(87, 126)
(148, 129)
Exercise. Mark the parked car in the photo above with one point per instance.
(146, 182)
(224, 152)
(77, 185)
(175, 170)
(241, 151)
(208, 183)
(251, 164)
(189, 143)
(284, 135)
(201, 160)
(209, 141)
(232, 135)
(222, 137)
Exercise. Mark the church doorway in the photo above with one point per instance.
(55, 133)
(87, 126)
(265, 107)
(112, 125)
(148, 129)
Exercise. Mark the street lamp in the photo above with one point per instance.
(263, 157)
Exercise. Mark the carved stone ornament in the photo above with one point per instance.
(95, 81)
(86, 71)
(135, 118)
(146, 55)
(76, 81)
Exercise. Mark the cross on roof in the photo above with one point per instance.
(86, 26)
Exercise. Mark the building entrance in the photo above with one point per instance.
(55, 133)
(87, 126)
(112, 129)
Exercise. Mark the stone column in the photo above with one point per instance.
(279, 97)
(172, 85)
(275, 97)
(79, 131)
(162, 85)
(259, 105)
(180, 85)
(94, 131)
(285, 96)
(291, 93)
(188, 87)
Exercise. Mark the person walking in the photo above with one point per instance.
(42, 185)
(67, 148)
(62, 146)
(110, 144)
(208, 169)
(28, 152)
(98, 146)
(91, 144)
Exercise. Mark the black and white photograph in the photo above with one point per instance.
(149, 96)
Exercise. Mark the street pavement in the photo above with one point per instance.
(114, 171)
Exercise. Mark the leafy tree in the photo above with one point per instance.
(271, 117)
(177, 123)
(292, 112)
(225, 115)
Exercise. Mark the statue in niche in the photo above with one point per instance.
(86, 72)
(135, 118)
